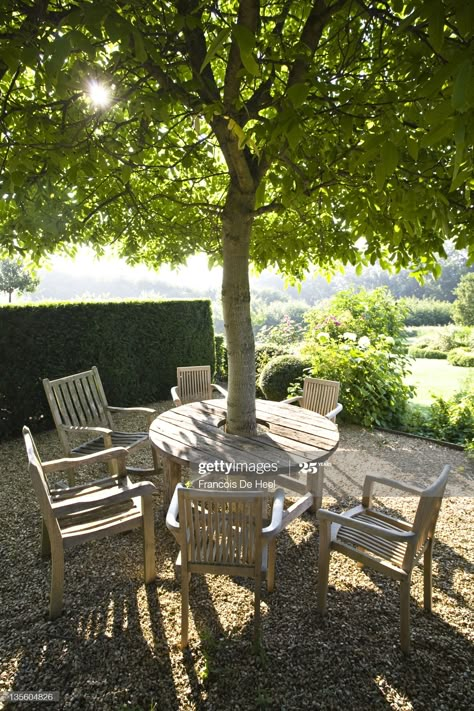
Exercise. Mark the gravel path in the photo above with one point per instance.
(116, 645)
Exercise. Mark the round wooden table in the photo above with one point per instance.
(288, 453)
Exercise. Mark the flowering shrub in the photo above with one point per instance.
(358, 339)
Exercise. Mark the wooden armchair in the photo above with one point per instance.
(194, 383)
(320, 396)
(389, 545)
(222, 532)
(79, 405)
(81, 513)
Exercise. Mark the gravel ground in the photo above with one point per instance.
(116, 645)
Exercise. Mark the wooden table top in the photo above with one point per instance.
(193, 434)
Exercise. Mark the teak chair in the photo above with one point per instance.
(81, 513)
(194, 383)
(320, 396)
(222, 532)
(389, 545)
(79, 405)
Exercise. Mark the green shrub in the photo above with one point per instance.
(461, 357)
(450, 420)
(264, 352)
(427, 312)
(222, 367)
(136, 345)
(420, 352)
(279, 374)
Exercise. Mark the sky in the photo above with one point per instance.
(86, 263)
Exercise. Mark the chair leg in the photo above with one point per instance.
(184, 606)
(45, 542)
(271, 565)
(258, 590)
(148, 538)
(405, 615)
(57, 581)
(323, 563)
(428, 576)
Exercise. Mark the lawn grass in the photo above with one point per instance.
(437, 377)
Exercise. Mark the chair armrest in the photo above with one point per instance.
(220, 389)
(172, 523)
(175, 397)
(149, 411)
(370, 480)
(291, 400)
(63, 465)
(373, 529)
(277, 515)
(332, 415)
(102, 498)
(78, 428)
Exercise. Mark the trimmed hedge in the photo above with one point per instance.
(136, 345)
(416, 352)
(461, 357)
(427, 312)
(222, 366)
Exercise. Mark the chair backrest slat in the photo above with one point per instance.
(194, 383)
(221, 528)
(320, 395)
(78, 400)
(426, 516)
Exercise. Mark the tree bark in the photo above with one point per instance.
(237, 226)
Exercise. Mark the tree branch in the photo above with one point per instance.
(248, 16)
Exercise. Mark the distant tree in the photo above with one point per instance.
(464, 304)
(13, 277)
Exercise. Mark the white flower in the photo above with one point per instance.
(323, 336)
(349, 336)
(363, 342)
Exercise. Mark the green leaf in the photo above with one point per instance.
(380, 174)
(436, 25)
(237, 131)
(413, 147)
(140, 51)
(463, 87)
(250, 64)
(297, 94)
(389, 155)
(244, 38)
(461, 178)
(438, 133)
(260, 194)
(347, 123)
(214, 46)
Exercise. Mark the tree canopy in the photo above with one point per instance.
(283, 133)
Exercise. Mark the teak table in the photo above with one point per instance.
(293, 443)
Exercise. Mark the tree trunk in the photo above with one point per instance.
(237, 226)
(10, 297)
